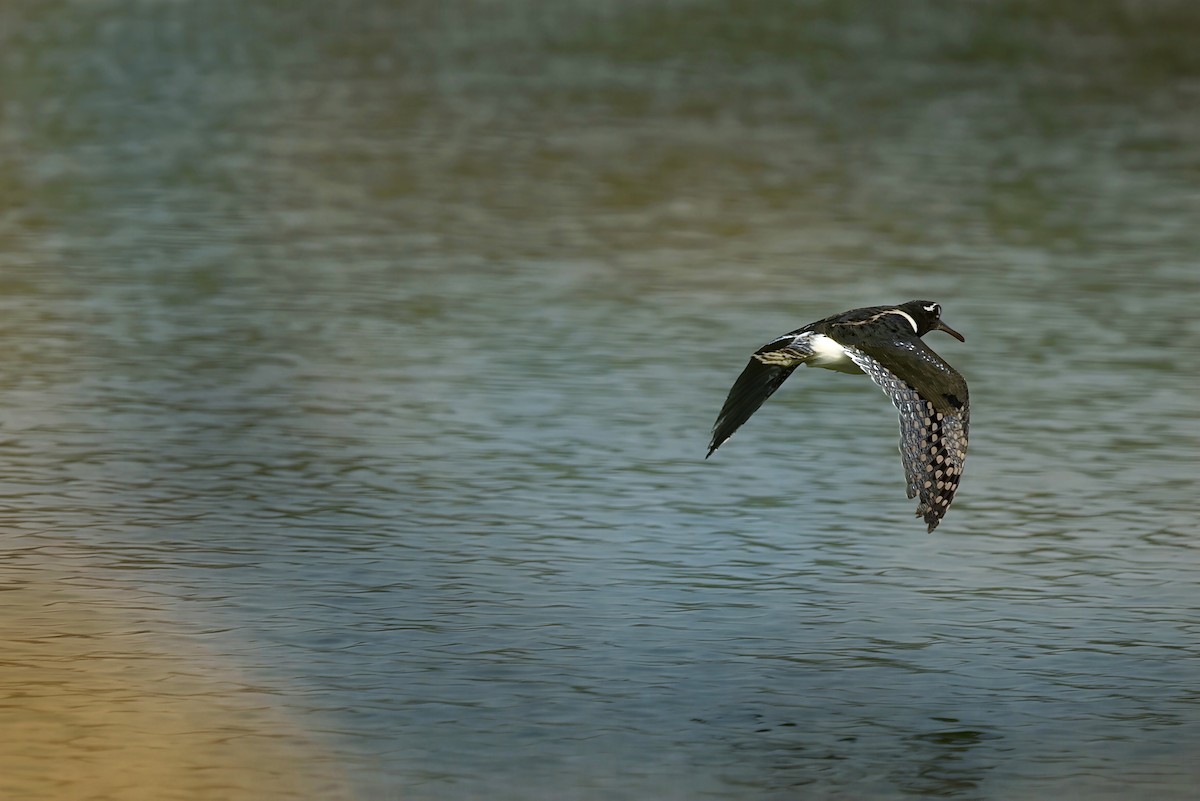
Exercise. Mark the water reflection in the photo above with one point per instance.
(103, 701)
(357, 382)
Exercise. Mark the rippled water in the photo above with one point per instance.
(360, 363)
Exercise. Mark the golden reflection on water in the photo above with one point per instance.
(94, 707)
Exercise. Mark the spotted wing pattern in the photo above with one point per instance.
(769, 367)
(933, 436)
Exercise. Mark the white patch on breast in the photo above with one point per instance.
(830, 355)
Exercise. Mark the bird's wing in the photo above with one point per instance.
(933, 424)
(768, 368)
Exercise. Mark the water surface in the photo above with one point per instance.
(360, 364)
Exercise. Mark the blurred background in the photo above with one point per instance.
(359, 360)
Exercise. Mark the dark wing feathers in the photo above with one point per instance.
(907, 357)
(933, 422)
(768, 368)
(933, 429)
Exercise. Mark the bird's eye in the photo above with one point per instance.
(934, 309)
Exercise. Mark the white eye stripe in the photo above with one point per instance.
(932, 307)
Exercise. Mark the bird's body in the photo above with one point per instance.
(885, 343)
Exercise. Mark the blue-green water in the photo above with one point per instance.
(377, 348)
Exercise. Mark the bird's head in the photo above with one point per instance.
(928, 317)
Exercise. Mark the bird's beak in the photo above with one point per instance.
(943, 327)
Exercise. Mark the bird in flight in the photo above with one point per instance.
(885, 343)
